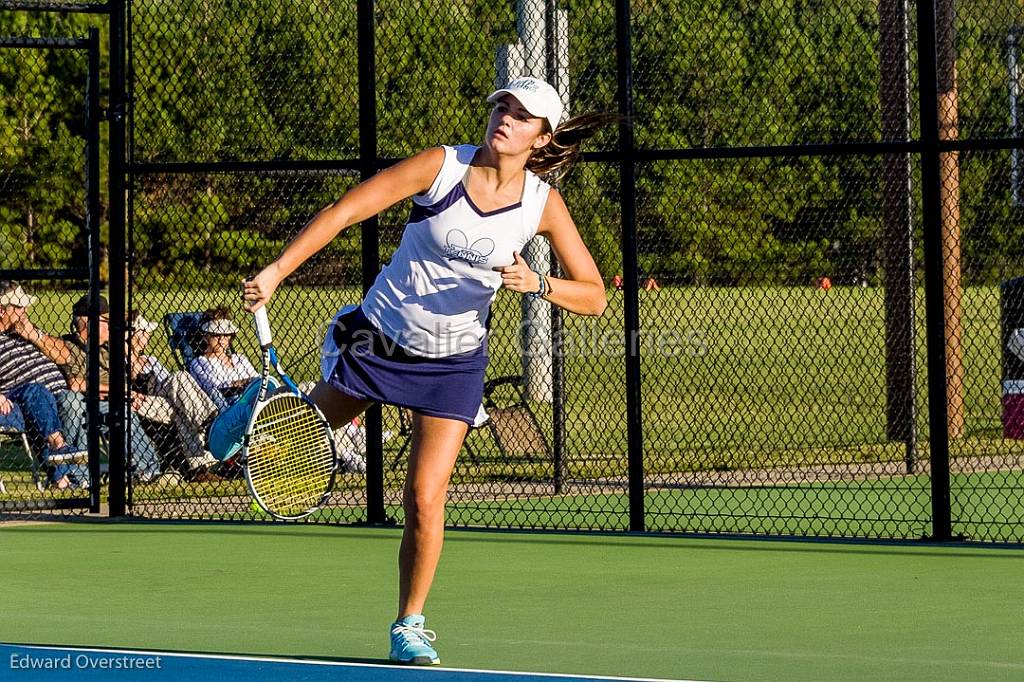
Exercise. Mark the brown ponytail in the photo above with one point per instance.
(555, 159)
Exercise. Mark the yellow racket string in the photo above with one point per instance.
(289, 458)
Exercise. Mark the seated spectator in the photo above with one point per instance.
(33, 408)
(221, 372)
(72, 356)
(173, 398)
(29, 383)
(225, 374)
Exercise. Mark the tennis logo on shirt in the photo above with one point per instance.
(459, 248)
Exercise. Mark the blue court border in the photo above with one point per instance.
(31, 662)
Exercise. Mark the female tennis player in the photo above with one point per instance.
(419, 338)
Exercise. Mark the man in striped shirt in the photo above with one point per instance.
(70, 353)
(29, 383)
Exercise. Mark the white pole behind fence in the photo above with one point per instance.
(528, 57)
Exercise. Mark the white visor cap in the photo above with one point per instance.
(141, 324)
(536, 96)
(17, 297)
(219, 327)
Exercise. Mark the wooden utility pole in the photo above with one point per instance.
(945, 48)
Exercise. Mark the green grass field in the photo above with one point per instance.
(592, 605)
(885, 508)
(724, 368)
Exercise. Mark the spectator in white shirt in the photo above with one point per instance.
(224, 375)
(174, 399)
(220, 371)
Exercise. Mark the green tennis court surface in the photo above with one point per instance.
(636, 606)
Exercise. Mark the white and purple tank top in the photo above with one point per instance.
(434, 297)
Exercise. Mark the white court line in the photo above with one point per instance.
(303, 661)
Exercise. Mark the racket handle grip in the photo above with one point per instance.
(262, 326)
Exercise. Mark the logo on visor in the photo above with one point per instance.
(459, 248)
(527, 84)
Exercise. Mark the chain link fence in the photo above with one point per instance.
(795, 333)
(49, 144)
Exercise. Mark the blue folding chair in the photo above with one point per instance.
(184, 336)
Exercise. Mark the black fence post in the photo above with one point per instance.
(897, 230)
(931, 182)
(631, 287)
(92, 219)
(558, 431)
(373, 420)
(117, 416)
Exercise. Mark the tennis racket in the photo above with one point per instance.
(288, 453)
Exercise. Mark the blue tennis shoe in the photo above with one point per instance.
(410, 643)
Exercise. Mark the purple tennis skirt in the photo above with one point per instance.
(359, 360)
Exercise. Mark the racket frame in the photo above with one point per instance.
(270, 360)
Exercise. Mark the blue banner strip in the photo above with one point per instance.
(36, 662)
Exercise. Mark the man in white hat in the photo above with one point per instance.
(29, 386)
(50, 346)
(173, 398)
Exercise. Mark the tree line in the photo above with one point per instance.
(259, 80)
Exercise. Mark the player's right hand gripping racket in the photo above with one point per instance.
(288, 453)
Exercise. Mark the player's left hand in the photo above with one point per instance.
(258, 290)
(518, 276)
